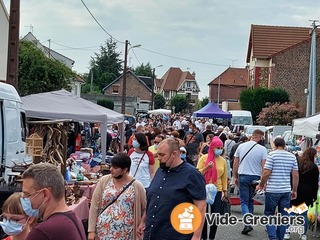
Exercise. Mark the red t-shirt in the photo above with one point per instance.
(59, 226)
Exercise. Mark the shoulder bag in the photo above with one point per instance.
(139, 164)
(125, 188)
(246, 154)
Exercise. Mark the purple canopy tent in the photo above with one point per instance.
(212, 111)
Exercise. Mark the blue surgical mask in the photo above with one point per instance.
(183, 155)
(27, 207)
(155, 146)
(11, 227)
(218, 152)
(135, 144)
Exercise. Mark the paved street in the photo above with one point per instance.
(259, 232)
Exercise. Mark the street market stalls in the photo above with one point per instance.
(64, 105)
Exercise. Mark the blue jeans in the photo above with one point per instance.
(274, 200)
(246, 192)
(215, 208)
(306, 221)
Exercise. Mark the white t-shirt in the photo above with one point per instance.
(143, 173)
(251, 164)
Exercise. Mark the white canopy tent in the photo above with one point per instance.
(160, 111)
(307, 126)
(65, 105)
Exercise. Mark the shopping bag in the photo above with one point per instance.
(211, 191)
(225, 206)
(260, 197)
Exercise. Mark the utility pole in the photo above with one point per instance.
(49, 40)
(91, 82)
(311, 92)
(124, 84)
(219, 92)
(153, 83)
(152, 93)
(13, 44)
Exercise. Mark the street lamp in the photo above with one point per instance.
(124, 84)
(153, 80)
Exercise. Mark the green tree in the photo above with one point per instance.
(159, 101)
(105, 66)
(107, 103)
(144, 70)
(38, 73)
(279, 114)
(254, 100)
(202, 103)
(180, 103)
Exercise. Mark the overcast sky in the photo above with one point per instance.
(204, 36)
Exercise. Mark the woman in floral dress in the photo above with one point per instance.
(111, 219)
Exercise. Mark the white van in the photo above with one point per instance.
(241, 117)
(13, 130)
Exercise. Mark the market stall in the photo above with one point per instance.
(65, 105)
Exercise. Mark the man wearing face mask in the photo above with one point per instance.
(215, 171)
(175, 182)
(249, 161)
(44, 197)
(183, 156)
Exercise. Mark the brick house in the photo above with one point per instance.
(231, 82)
(279, 57)
(175, 81)
(138, 87)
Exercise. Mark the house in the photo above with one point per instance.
(175, 81)
(279, 56)
(48, 51)
(77, 81)
(139, 88)
(228, 85)
(4, 26)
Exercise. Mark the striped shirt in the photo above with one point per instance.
(281, 163)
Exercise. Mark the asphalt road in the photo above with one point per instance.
(258, 233)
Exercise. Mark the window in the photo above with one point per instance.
(166, 94)
(188, 84)
(115, 88)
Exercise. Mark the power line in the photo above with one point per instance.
(184, 59)
(99, 23)
(136, 56)
(76, 48)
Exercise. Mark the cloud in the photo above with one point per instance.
(213, 32)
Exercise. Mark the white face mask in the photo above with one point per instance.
(11, 227)
(135, 144)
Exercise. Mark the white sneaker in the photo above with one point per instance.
(286, 236)
(303, 237)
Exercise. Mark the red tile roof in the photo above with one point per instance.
(174, 77)
(266, 41)
(232, 77)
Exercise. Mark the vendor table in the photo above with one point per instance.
(81, 209)
(88, 190)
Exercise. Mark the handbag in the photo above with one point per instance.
(125, 188)
(260, 197)
(225, 207)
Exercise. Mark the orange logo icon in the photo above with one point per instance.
(185, 218)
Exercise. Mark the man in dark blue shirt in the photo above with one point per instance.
(175, 182)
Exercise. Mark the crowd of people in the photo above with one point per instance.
(167, 162)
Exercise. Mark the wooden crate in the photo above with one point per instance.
(34, 145)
